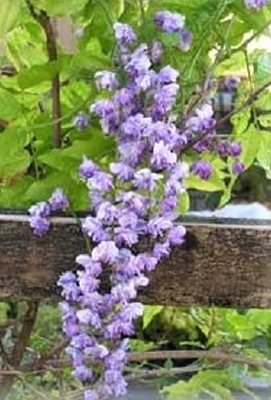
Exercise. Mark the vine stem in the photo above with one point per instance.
(6, 381)
(138, 357)
(45, 22)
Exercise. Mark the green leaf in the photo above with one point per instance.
(96, 148)
(61, 8)
(12, 196)
(211, 185)
(8, 15)
(39, 73)
(58, 160)
(13, 157)
(10, 108)
(251, 141)
(43, 188)
(236, 62)
(183, 203)
(262, 68)
(149, 313)
(264, 153)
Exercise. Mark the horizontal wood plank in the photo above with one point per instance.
(223, 263)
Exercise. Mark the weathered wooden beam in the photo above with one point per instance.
(223, 263)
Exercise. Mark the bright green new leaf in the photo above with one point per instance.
(213, 184)
(149, 313)
(14, 158)
(9, 10)
(61, 8)
(10, 108)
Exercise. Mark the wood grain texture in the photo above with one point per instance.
(223, 263)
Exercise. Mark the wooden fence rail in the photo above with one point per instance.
(222, 263)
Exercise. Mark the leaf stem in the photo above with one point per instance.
(45, 22)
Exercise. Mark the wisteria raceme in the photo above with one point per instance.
(137, 196)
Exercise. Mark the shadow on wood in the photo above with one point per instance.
(223, 263)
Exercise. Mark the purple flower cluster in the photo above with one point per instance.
(125, 207)
(174, 23)
(137, 196)
(199, 134)
(40, 213)
(256, 4)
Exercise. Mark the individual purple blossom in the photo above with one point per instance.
(179, 171)
(38, 220)
(81, 121)
(94, 229)
(124, 34)
(41, 209)
(161, 250)
(87, 282)
(176, 235)
(91, 395)
(168, 21)
(105, 252)
(238, 168)
(124, 172)
(106, 80)
(109, 115)
(162, 156)
(132, 152)
(58, 201)
(125, 100)
(145, 82)
(145, 179)
(202, 120)
(165, 98)
(81, 341)
(115, 381)
(82, 373)
(89, 318)
(185, 40)
(168, 75)
(135, 202)
(139, 63)
(158, 226)
(39, 225)
(256, 4)
(235, 149)
(101, 181)
(135, 126)
(202, 168)
(169, 204)
(90, 266)
(70, 290)
(107, 213)
(87, 168)
(230, 83)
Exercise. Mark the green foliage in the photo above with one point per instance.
(215, 384)
(22, 96)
